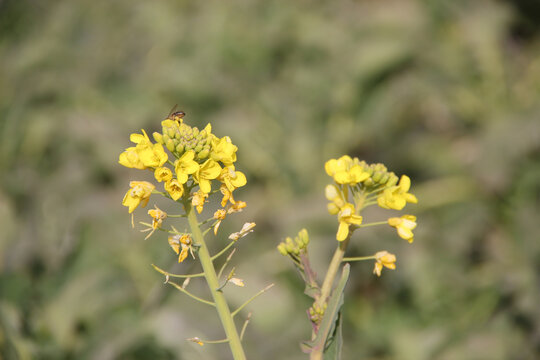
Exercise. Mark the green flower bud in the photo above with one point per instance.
(282, 250)
(171, 132)
(195, 132)
(393, 180)
(180, 148)
(369, 182)
(377, 176)
(170, 145)
(165, 137)
(304, 236)
(384, 178)
(198, 148)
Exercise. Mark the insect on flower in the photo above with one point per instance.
(176, 115)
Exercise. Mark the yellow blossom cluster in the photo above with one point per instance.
(198, 159)
(358, 185)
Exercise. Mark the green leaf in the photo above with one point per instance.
(329, 338)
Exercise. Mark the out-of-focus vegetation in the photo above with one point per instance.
(447, 92)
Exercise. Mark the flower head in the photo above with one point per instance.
(208, 171)
(185, 166)
(198, 200)
(384, 258)
(404, 226)
(347, 217)
(158, 216)
(219, 215)
(163, 174)
(144, 154)
(181, 244)
(397, 196)
(231, 178)
(345, 170)
(223, 150)
(138, 194)
(174, 188)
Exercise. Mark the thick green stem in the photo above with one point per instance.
(327, 285)
(213, 283)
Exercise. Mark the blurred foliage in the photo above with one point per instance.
(445, 91)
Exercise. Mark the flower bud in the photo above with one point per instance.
(170, 145)
(180, 148)
(203, 154)
(304, 236)
(195, 132)
(282, 250)
(158, 137)
(165, 137)
(171, 132)
(331, 192)
(198, 148)
(377, 176)
(393, 180)
(333, 209)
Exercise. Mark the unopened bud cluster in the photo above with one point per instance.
(316, 312)
(294, 246)
(378, 175)
(179, 137)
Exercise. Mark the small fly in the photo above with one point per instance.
(175, 115)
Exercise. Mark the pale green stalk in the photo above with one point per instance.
(213, 284)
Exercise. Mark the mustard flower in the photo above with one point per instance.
(185, 166)
(227, 195)
(208, 171)
(346, 217)
(163, 174)
(384, 258)
(174, 188)
(404, 226)
(158, 216)
(231, 178)
(144, 154)
(138, 194)
(198, 200)
(181, 244)
(219, 215)
(396, 197)
(223, 150)
(345, 171)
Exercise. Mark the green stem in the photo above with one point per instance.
(373, 224)
(330, 277)
(358, 258)
(213, 284)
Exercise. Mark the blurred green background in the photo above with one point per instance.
(447, 92)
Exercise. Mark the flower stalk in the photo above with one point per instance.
(213, 284)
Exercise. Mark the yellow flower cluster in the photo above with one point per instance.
(358, 185)
(200, 158)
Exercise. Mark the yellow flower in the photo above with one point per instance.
(130, 158)
(404, 226)
(209, 170)
(174, 188)
(384, 258)
(138, 194)
(220, 216)
(198, 200)
(396, 197)
(144, 154)
(227, 195)
(163, 174)
(158, 216)
(346, 217)
(231, 178)
(182, 242)
(223, 150)
(185, 166)
(345, 171)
